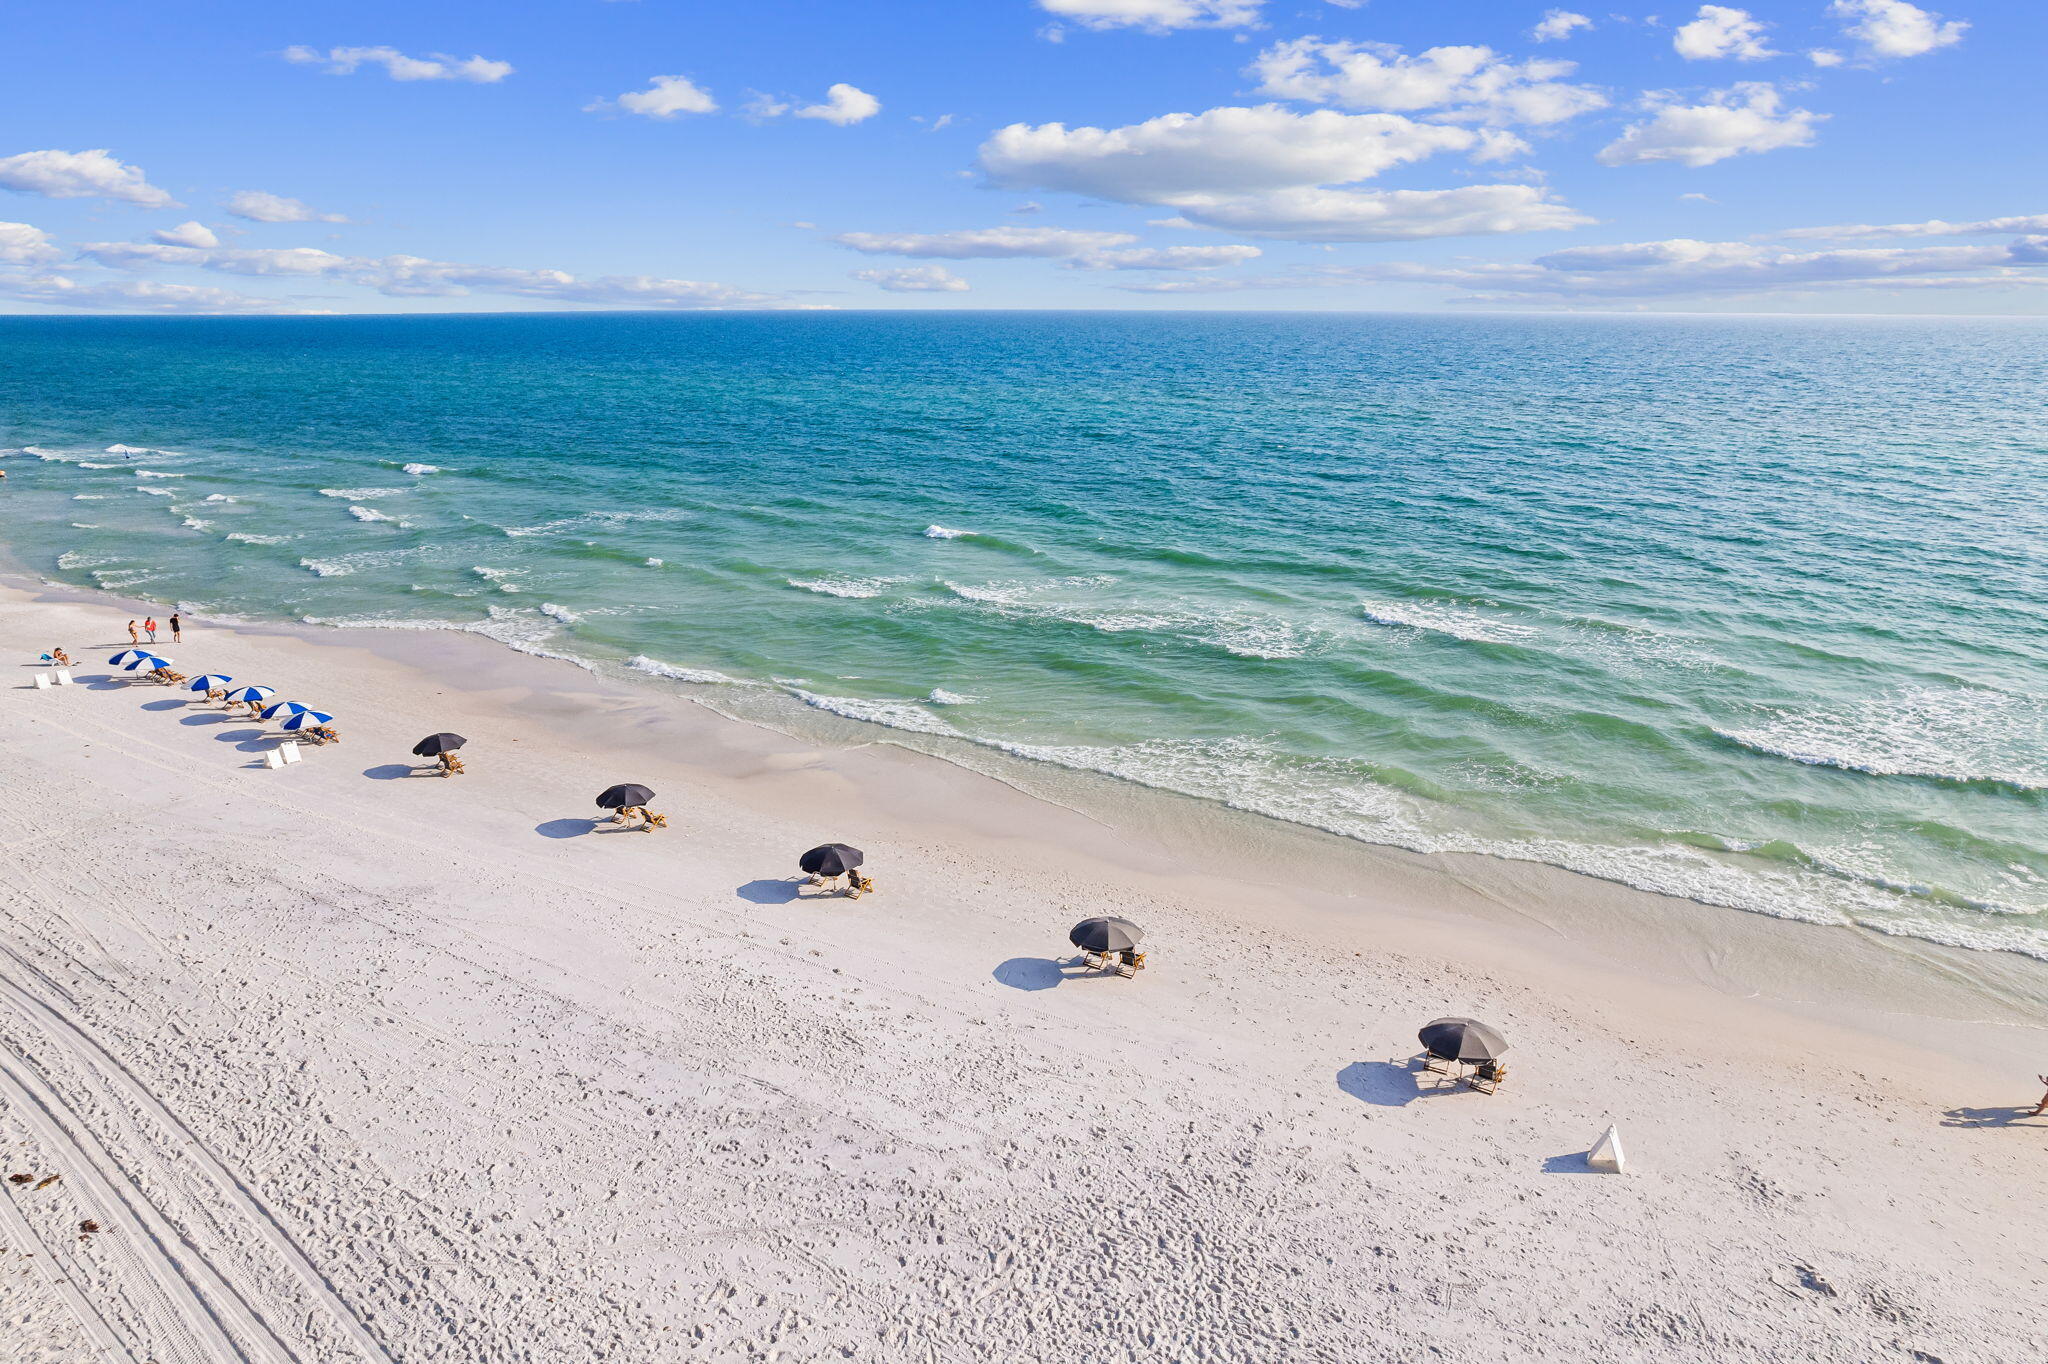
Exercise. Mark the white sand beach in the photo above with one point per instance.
(354, 1066)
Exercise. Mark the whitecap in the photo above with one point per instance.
(88, 497)
(154, 492)
(194, 523)
(1456, 622)
(258, 539)
(326, 568)
(88, 464)
(560, 613)
(944, 533)
(417, 469)
(127, 450)
(1949, 733)
(359, 494)
(151, 473)
(845, 587)
(941, 697)
(83, 525)
(218, 497)
(372, 514)
(654, 667)
(906, 715)
(656, 563)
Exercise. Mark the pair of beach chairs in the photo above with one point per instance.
(855, 887)
(1125, 964)
(627, 814)
(451, 765)
(1483, 1077)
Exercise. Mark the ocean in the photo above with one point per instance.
(1752, 611)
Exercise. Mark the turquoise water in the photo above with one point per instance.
(1751, 611)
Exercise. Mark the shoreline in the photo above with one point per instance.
(447, 1071)
(1904, 988)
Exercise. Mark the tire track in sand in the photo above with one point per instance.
(190, 1292)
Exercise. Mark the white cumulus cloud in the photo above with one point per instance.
(843, 104)
(258, 206)
(914, 279)
(1746, 118)
(417, 276)
(1464, 84)
(186, 234)
(436, 66)
(1682, 267)
(2022, 223)
(1174, 157)
(80, 175)
(136, 296)
(1894, 28)
(1354, 215)
(1156, 16)
(21, 244)
(665, 97)
(1167, 258)
(1722, 31)
(984, 243)
(1267, 171)
(1558, 24)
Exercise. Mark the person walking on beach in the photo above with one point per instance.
(2041, 1107)
(149, 628)
(176, 638)
(133, 637)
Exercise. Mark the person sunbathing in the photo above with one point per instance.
(60, 658)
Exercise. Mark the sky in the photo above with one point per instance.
(1818, 156)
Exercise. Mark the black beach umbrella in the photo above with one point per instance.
(1105, 935)
(434, 745)
(831, 859)
(619, 797)
(1462, 1039)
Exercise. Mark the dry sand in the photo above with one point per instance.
(351, 1065)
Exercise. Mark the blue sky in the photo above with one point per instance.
(1818, 156)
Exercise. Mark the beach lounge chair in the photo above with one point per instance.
(1442, 1065)
(1486, 1076)
(450, 764)
(323, 734)
(1130, 964)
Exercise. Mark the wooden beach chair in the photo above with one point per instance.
(323, 734)
(450, 764)
(1131, 964)
(1486, 1077)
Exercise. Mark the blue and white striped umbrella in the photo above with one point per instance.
(207, 682)
(283, 708)
(127, 656)
(252, 693)
(147, 663)
(305, 719)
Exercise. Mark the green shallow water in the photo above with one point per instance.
(1750, 611)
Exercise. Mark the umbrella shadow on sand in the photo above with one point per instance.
(1031, 973)
(212, 717)
(248, 740)
(1389, 1084)
(765, 892)
(169, 703)
(1990, 1117)
(390, 771)
(567, 828)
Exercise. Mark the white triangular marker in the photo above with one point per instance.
(273, 759)
(1606, 1155)
(290, 751)
(63, 676)
(43, 680)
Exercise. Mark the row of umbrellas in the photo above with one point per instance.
(290, 714)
